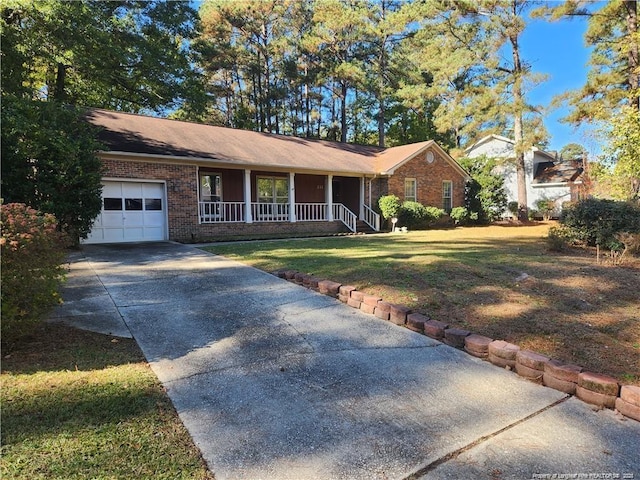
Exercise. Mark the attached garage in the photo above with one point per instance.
(134, 211)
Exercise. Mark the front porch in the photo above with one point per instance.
(268, 197)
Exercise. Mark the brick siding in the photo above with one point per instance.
(429, 178)
(182, 204)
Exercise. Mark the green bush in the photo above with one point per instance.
(513, 208)
(462, 216)
(416, 216)
(389, 206)
(596, 222)
(559, 238)
(33, 253)
(545, 207)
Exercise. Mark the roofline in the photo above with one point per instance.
(486, 138)
(223, 163)
(429, 144)
(568, 183)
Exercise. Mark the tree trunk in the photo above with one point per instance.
(59, 94)
(518, 134)
(343, 112)
(631, 7)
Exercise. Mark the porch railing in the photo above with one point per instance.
(371, 218)
(218, 212)
(312, 212)
(270, 212)
(346, 216)
(221, 212)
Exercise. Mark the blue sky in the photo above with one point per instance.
(558, 50)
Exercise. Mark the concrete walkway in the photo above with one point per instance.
(274, 381)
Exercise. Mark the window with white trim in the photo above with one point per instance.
(210, 187)
(273, 190)
(410, 190)
(447, 196)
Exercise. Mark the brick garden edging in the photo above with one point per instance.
(593, 388)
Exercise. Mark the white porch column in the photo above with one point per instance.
(361, 207)
(328, 197)
(292, 197)
(248, 218)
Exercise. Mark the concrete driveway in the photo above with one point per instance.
(274, 381)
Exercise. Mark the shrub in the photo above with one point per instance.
(462, 216)
(32, 255)
(513, 208)
(389, 206)
(559, 238)
(416, 216)
(596, 222)
(545, 208)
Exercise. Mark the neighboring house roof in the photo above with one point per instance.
(547, 170)
(550, 172)
(140, 135)
(487, 139)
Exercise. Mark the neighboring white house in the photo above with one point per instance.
(547, 178)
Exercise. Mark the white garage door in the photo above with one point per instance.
(131, 212)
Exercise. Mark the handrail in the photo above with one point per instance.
(371, 218)
(346, 216)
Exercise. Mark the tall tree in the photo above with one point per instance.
(614, 76)
(122, 55)
(476, 71)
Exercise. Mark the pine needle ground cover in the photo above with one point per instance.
(78, 405)
(497, 281)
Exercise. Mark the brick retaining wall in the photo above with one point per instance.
(593, 388)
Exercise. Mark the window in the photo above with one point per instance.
(273, 190)
(410, 190)
(152, 204)
(447, 195)
(112, 203)
(210, 187)
(132, 204)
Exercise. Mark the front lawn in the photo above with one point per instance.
(497, 281)
(79, 405)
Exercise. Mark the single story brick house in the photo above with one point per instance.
(173, 180)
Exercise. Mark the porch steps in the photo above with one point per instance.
(362, 227)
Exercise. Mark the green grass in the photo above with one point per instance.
(79, 405)
(567, 307)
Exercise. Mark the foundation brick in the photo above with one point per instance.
(357, 295)
(557, 384)
(299, 278)
(595, 398)
(477, 345)
(280, 274)
(531, 360)
(529, 373)
(313, 283)
(561, 371)
(384, 306)
(502, 349)
(454, 337)
(328, 287)
(435, 329)
(416, 321)
(501, 362)
(370, 309)
(628, 409)
(630, 394)
(380, 313)
(599, 383)
(398, 314)
(352, 302)
(371, 300)
(343, 298)
(346, 290)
